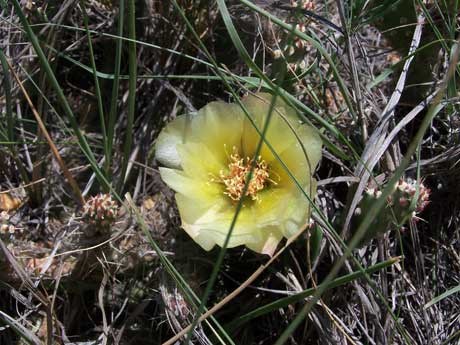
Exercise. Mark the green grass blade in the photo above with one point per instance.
(131, 93)
(439, 298)
(115, 89)
(8, 99)
(97, 88)
(8, 135)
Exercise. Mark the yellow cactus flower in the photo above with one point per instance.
(208, 156)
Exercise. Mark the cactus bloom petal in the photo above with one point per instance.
(207, 159)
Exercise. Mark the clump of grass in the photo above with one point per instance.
(86, 87)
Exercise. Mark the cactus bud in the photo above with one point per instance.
(402, 206)
(100, 210)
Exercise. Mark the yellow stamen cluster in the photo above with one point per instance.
(238, 170)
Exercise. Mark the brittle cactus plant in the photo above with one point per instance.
(7, 229)
(408, 200)
(100, 210)
(292, 51)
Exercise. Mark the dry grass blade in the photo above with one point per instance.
(369, 157)
(27, 335)
(352, 62)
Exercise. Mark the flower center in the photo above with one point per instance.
(238, 170)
